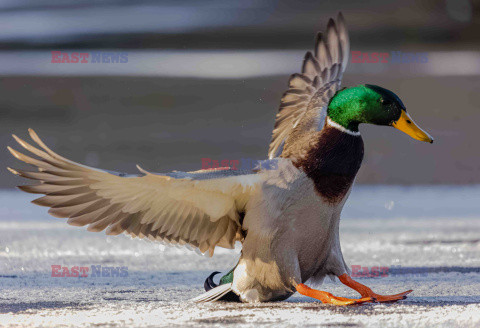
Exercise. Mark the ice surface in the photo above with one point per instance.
(429, 237)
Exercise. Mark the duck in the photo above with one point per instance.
(285, 212)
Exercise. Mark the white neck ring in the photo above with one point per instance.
(341, 128)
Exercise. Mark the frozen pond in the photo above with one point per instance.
(428, 237)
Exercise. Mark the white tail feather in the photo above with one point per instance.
(213, 294)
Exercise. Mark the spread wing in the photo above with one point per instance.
(319, 81)
(202, 209)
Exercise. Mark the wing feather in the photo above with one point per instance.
(201, 209)
(322, 72)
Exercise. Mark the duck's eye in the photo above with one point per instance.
(385, 102)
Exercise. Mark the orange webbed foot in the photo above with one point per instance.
(367, 292)
(390, 298)
(328, 298)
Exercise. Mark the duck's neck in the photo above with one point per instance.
(346, 108)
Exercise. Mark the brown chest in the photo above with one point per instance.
(332, 161)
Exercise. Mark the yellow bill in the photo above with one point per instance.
(408, 126)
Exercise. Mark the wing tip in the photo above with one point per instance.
(27, 188)
(331, 22)
(21, 142)
(142, 170)
(39, 201)
(73, 222)
(33, 134)
(114, 230)
(14, 152)
(94, 228)
(13, 171)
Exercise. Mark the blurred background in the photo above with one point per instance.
(204, 79)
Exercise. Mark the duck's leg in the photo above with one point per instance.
(328, 298)
(367, 292)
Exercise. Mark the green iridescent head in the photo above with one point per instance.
(374, 105)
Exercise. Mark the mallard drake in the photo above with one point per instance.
(286, 216)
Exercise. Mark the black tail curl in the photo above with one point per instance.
(209, 284)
